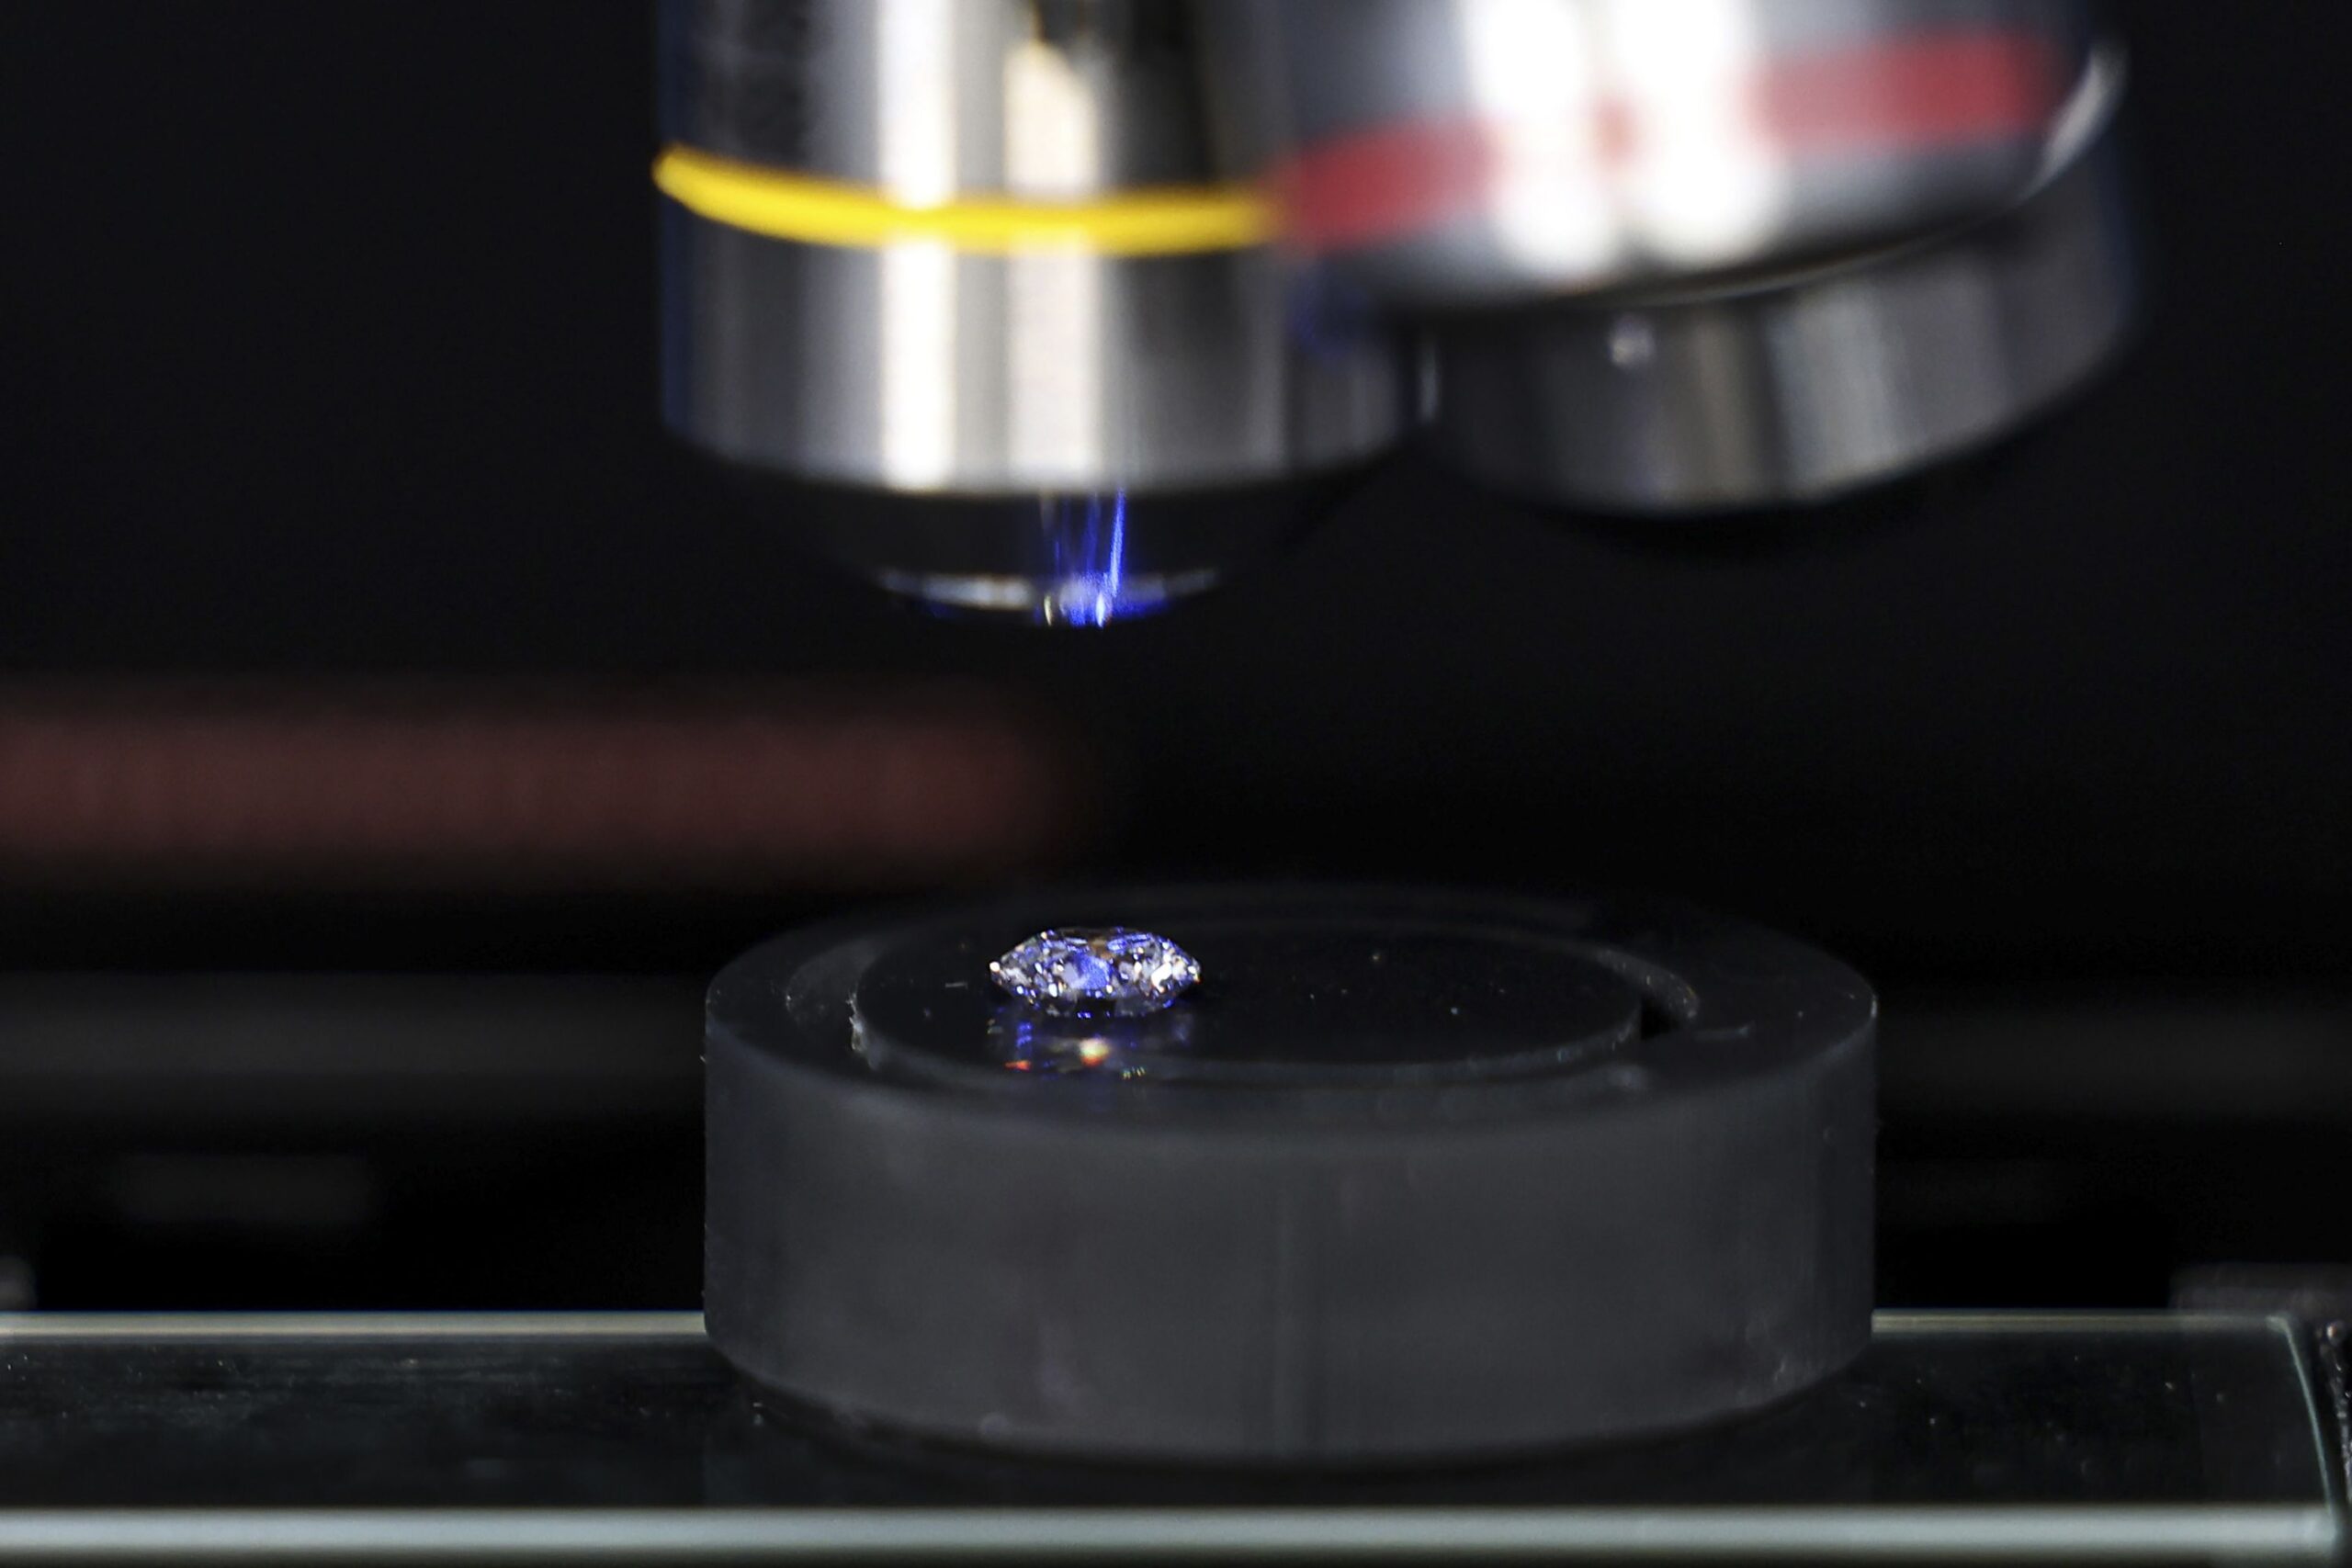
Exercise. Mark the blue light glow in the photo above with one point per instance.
(1087, 538)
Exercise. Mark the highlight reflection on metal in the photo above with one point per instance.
(2071, 1438)
(1093, 285)
(1047, 601)
(948, 359)
(1077, 571)
(1501, 150)
(1806, 383)
(914, 369)
(1024, 1040)
(982, 252)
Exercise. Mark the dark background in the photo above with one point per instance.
(327, 350)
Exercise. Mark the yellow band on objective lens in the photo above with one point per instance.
(1166, 220)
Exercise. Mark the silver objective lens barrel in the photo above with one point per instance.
(983, 250)
(1065, 310)
(1806, 383)
(1441, 153)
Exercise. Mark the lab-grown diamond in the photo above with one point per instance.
(1096, 969)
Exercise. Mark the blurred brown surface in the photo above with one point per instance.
(808, 784)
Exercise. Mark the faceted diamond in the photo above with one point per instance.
(1091, 969)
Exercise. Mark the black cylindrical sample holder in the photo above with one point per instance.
(1408, 1177)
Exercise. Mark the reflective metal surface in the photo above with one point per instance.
(2054, 1439)
(1452, 151)
(1846, 237)
(925, 99)
(917, 370)
(1011, 356)
(1051, 557)
(1798, 386)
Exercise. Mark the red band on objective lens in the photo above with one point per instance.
(1926, 92)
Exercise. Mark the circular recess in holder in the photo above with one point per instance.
(1801, 384)
(1406, 1177)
